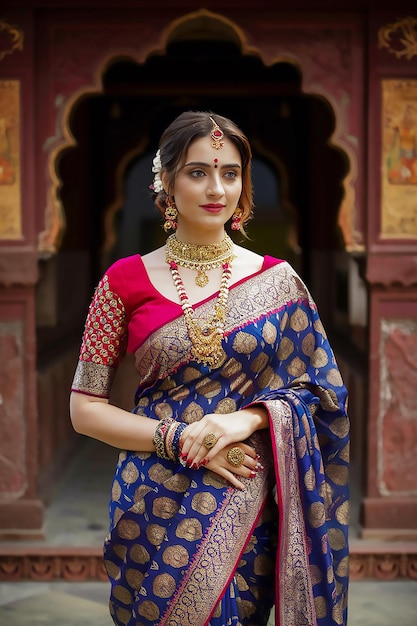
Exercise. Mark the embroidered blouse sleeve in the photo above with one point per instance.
(104, 342)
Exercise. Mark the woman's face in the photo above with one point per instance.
(207, 190)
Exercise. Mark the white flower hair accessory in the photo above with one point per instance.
(156, 169)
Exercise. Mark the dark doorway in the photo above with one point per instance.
(297, 174)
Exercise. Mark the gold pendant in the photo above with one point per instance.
(201, 279)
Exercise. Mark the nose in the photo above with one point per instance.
(215, 187)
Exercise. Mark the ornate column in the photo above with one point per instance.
(390, 507)
(21, 512)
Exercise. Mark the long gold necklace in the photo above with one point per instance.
(198, 257)
(205, 335)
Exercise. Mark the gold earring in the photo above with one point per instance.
(237, 219)
(170, 215)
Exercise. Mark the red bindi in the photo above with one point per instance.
(215, 162)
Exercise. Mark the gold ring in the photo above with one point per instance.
(210, 441)
(236, 456)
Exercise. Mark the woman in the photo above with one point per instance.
(237, 384)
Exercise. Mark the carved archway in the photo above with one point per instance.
(197, 25)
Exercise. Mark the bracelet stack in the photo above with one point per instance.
(166, 439)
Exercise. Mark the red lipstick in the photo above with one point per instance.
(213, 207)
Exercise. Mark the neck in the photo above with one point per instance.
(200, 238)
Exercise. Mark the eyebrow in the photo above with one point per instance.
(202, 164)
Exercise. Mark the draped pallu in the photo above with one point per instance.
(184, 547)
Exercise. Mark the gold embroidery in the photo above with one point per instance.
(139, 554)
(339, 474)
(316, 575)
(116, 491)
(159, 473)
(128, 529)
(164, 585)
(269, 333)
(93, 379)
(189, 529)
(298, 321)
(149, 610)
(231, 368)
(244, 343)
(176, 556)
(296, 367)
(336, 539)
(204, 503)
(163, 410)
(308, 344)
(321, 607)
(340, 427)
(178, 483)
(192, 413)
(319, 358)
(122, 594)
(130, 473)
(134, 578)
(342, 513)
(310, 479)
(334, 378)
(120, 551)
(227, 405)
(246, 608)
(259, 363)
(123, 615)
(190, 374)
(155, 534)
(208, 388)
(343, 567)
(112, 569)
(165, 507)
(316, 515)
(266, 379)
(286, 347)
(263, 565)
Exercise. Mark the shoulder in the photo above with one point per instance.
(123, 269)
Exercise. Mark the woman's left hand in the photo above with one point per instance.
(227, 429)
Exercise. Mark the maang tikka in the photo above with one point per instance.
(217, 135)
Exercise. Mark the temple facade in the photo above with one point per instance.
(328, 99)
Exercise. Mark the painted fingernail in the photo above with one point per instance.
(257, 457)
(190, 462)
(184, 457)
(252, 474)
(259, 467)
(204, 462)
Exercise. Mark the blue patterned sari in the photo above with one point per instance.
(187, 549)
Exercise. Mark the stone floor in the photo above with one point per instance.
(77, 516)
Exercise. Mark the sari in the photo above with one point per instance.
(185, 548)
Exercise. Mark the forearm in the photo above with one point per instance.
(258, 416)
(119, 428)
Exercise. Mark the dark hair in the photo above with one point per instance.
(178, 137)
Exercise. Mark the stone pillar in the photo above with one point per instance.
(390, 505)
(389, 508)
(21, 512)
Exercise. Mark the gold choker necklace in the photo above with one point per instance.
(199, 257)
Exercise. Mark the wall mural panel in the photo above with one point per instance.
(10, 198)
(399, 159)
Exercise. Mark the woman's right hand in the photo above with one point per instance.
(221, 466)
